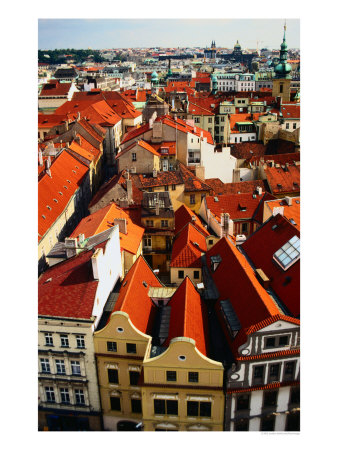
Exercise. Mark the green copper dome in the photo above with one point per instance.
(154, 76)
(283, 69)
(237, 46)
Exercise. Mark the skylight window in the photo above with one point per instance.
(289, 253)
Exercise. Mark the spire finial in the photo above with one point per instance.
(284, 29)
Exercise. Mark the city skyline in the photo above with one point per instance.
(145, 33)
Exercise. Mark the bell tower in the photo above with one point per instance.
(282, 79)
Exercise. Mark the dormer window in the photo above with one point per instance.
(215, 262)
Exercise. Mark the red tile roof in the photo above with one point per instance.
(290, 212)
(55, 88)
(51, 120)
(63, 169)
(234, 118)
(283, 181)
(188, 316)
(170, 145)
(231, 204)
(68, 289)
(263, 356)
(184, 215)
(237, 282)
(188, 247)
(99, 112)
(103, 219)
(199, 110)
(140, 308)
(242, 187)
(260, 248)
(283, 158)
(291, 111)
(245, 150)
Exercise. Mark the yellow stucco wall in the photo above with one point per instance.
(188, 271)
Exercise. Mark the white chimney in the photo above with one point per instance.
(81, 238)
(288, 201)
(193, 218)
(259, 190)
(227, 225)
(40, 158)
(96, 263)
(122, 224)
(71, 244)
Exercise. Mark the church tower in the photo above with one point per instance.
(282, 78)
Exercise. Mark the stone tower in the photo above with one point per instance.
(282, 78)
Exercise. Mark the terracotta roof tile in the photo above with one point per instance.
(234, 205)
(283, 181)
(184, 215)
(242, 187)
(188, 247)
(55, 88)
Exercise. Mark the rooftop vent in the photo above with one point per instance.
(274, 227)
(145, 284)
(216, 199)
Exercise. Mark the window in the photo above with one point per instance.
(181, 274)
(287, 126)
(48, 339)
(242, 425)
(270, 399)
(171, 375)
(289, 370)
(79, 397)
(173, 186)
(134, 377)
(64, 392)
(283, 341)
(166, 188)
(243, 402)
(113, 376)
(76, 369)
(64, 340)
(193, 377)
(45, 367)
(293, 422)
(195, 409)
(258, 374)
(164, 224)
(192, 199)
(268, 423)
(136, 406)
(50, 396)
(196, 120)
(209, 119)
(270, 342)
(192, 140)
(196, 274)
(147, 241)
(80, 343)
(295, 395)
(294, 126)
(115, 404)
(133, 156)
(149, 223)
(244, 227)
(281, 88)
(60, 366)
(131, 348)
(210, 130)
(274, 370)
(169, 407)
(111, 346)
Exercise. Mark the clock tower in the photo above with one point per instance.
(282, 78)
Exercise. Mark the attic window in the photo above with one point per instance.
(242, 208)
(289, 253)
(145, 284)
(48, 207)
(68, 181)
(43, 216)
(76, 167)
(61, 192)
(297, 201)
(293, 222)
(55, 200)
(274, 227)
(279, 185)
(65, 188)
(73, 171)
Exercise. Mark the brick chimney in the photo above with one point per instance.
(122, 224)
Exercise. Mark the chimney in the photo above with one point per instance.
(47, 167)
(259, 190)
(129, 184)
(71, 244)
(193, 218)
(96, 259)
(226, 225)
(122, 224)
(40, 157)
(154, 172)
(78, 139)
(78, 117)
(288, 201)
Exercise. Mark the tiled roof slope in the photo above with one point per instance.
(260, 248)
(242, 187)
(103, 219)
(99, 112)
(236, 281)
(283, 181)
(188, 316)
(290, 111)
(51, 120)
(188, 247)
(290, 212)
(133, 297)
(142, 144)
(68, 289)
(245, 150)
(184, 215)
(231, 204)
(55, 88)
(63, 169)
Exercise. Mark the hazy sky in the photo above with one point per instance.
(115, 33)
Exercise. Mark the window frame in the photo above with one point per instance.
(193, 377)
(243, 405)
(113, 376)
(131, 345)
(113, 398)
(80, 339)
(76, 364)
(79, 394)
(60, 366)
(67, 402)
(50, 392)
(49, 340)
(171, 375)
(64, 338)
(179, 273)
(271, 402)
(134, 374)
(45, 362)
(113, 346)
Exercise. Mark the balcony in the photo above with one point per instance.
(194, 161)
